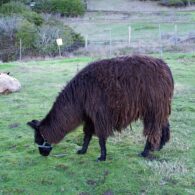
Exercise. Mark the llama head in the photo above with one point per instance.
(43, 146)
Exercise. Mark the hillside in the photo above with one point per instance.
(153, 28)
(130, 6)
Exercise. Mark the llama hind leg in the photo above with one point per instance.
(147, 149)
(165, 135)
(153, 134)
(88, 133)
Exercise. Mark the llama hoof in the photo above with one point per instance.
(81, 151)
(143, 154)
(101, 159)
(160, 147)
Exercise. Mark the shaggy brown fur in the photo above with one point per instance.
(110, 94)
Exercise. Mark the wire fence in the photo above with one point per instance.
(110, 39)
(144, 38)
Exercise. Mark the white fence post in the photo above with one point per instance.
(160, 40)
(110, 40)
(129, 31)
(59, 43)
(86, 41)
(20, 49)
(175, 34)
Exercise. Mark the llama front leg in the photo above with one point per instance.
(86, 141)
(102, 143)
(88, 130)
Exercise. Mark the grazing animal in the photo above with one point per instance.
(107, 96)
(8, 84)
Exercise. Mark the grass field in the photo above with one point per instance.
(24, 171)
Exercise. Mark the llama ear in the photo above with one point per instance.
(34, 124)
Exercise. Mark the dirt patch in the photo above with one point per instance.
(108, 192)
(84, 193)
(61, 167)
(14, 125)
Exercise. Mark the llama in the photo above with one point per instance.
(107, 96)
(8, 84)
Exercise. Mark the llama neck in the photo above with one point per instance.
(64, 116)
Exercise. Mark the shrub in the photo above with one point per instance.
(18, 8)
(8, 29)
(172, 2)
(36, 40)
(64, 7)
(176, 3)
(44, 6)
(47, 35)
(33, 17)
(27, 33)
(4, 1)
(68, 7)
(13, 8)
(12, 29)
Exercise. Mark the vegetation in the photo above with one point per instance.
(176, 3)
(38, 35)
(64, 7)
(170, 171)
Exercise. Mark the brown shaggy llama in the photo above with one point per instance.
(107, 96)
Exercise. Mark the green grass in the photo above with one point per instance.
(24, 171)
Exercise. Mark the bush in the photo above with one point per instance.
(38, 36)
(64, 7)
(18, 8)
(47, 35)
(68, 7)
(13, 8)
(36, 40)
(8, 29)
(172, 2)
(7, 1)
(27, 32)
(33, 17)
(176, 3)
(4, 1)
(44, 6)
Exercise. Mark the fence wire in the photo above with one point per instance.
(109, 39)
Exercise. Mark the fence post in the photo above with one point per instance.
(175, 34)
(129, 30)
(59, 44)
(110, 40)
(59, 51)
(160, 40)
(77, 67)
(20, 49)
(86, 41)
